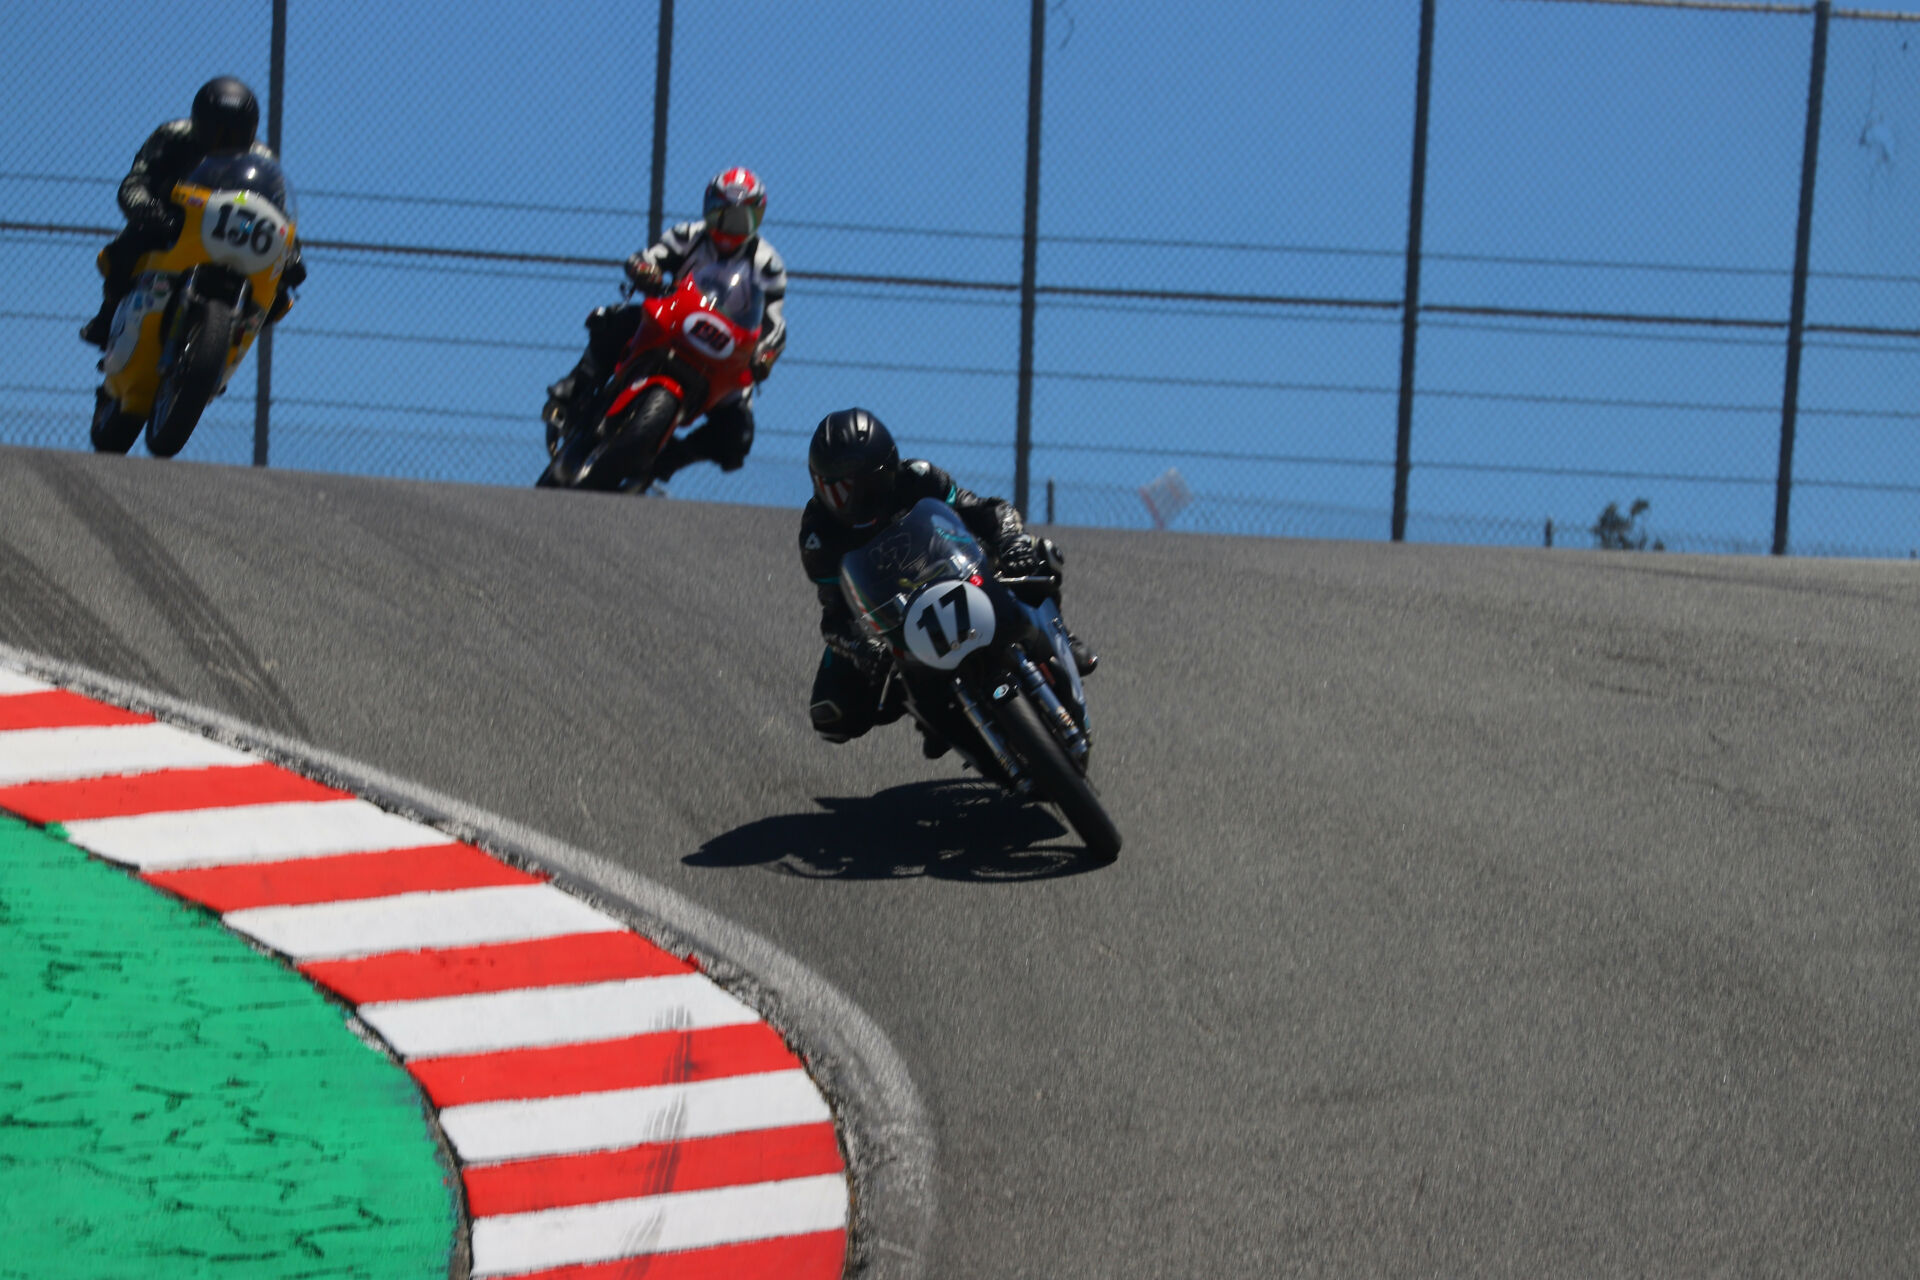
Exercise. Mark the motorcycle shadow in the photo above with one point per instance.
(948, 830)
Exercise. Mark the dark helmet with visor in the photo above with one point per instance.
(225, 115)
(854, 463)
(735, 204)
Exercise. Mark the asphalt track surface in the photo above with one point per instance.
(1483, 912)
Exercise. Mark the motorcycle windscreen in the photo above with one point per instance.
(927, 544)
(730, 289)
(249, 171)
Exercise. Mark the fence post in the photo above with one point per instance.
(1802, 241)
(263, 361)
(662, 81)
(1410, 315)
(1029, 257)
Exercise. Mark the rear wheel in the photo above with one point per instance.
(1056, 778)
(113, 431)
(194, 379)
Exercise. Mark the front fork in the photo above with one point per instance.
(1040, 689)
(199, 284)
(996, 746)
(1036, 686)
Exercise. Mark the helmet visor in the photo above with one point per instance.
(223, 133)
(854, 499)
(736, 220)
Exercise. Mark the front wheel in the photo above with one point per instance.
(621, 454)
(194, 379)
(639, 436)
(1056, 778)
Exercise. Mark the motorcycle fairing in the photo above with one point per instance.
(151, 293)
(633, 391)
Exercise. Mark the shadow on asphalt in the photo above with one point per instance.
(950, 830)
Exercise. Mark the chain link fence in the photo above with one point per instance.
(1609, 214)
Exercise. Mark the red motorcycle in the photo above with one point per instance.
(692, 350)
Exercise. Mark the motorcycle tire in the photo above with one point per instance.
(113, 431)
(194, 379)
(1056, 778)
(638, 440)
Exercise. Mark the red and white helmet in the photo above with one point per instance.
(736, 202)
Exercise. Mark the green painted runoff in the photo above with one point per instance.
(175, 1104)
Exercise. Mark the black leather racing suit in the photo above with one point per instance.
(846, 689)
(153, 220)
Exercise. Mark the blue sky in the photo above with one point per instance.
(891, 137)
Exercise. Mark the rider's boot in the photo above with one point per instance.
(96, 331)
(568, 394)
(674, 456)
(1084, 658)
(931, 745)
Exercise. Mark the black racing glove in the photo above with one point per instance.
(1018, 557)
(865, 652)
(160, 221)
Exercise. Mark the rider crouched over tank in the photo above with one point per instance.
(860, 487)
(735, 204)
(224, 119)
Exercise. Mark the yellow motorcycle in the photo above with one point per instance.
(197, 305)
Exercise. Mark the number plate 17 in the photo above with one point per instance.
(948, 621)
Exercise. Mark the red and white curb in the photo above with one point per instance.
(608, 1104)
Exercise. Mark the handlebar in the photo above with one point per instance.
(1033, 588)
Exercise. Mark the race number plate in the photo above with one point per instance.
(708, 335)
(948, 621)
(243, 231)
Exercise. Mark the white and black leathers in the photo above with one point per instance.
(687, 247)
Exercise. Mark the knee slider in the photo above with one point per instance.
(833, 725)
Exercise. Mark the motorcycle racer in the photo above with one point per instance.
(224, 118)
(735, 204)
(860, 486)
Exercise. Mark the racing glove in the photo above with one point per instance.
(160, 221)
(762, 363)
(1019, 558)
(865, 652)
(645, 275)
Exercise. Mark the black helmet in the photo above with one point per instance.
(853, 460)
(225, 115)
